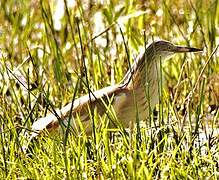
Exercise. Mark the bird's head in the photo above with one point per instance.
(164, 49)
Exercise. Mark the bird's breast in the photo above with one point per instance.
(132, 105)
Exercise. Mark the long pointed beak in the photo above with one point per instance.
(186, 49)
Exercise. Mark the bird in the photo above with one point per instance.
(132, 97)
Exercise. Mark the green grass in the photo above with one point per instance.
(42, 67)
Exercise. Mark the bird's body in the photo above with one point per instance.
(129, 99)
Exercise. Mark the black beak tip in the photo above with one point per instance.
(195, 49)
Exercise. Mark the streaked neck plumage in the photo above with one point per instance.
(144, 70)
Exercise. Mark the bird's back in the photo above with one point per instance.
(80, 107)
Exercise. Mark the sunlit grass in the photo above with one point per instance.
(46, 63)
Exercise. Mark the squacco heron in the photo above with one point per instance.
(124, 97)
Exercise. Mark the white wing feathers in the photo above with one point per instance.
(78, 104)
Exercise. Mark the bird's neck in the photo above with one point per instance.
(144, 73)
(143, 83)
